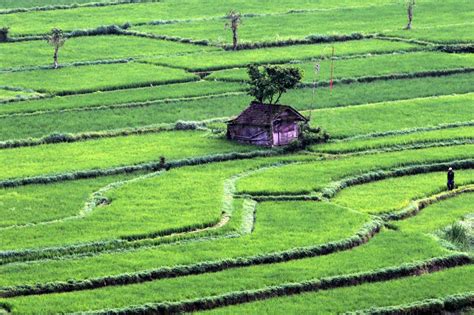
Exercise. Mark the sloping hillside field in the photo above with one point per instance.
(121, 191)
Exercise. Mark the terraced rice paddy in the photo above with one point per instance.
(119, 193)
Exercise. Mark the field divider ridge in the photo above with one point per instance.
(66, 65)
(406, 131)
(123, 105)
(148, 240)
(422, 144)
(72, 6)
(330, 191)
(361, 237)
(448, 304)
(288, 289)
(417, 205)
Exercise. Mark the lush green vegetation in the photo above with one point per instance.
(300, 25)
(396, 115)
(82, 79)
(308, 177)
(42, 22)
(9, 4)
(12, 95)
(369, 66)
(455, 33)
(33, 204)
(91, 48)
(373, 143)
(128, 96)
(222, 60)
(388, 249)
(336, 120)
(439, 215)
(146, 210)
(395, 292)
(318, 223)
(93, 218)
(110, 152)
(396, 193)
(388, 160)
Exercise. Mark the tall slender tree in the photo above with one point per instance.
(57, 40)
(410, 4)
(234, 20)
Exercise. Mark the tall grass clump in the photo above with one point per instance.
(458, 234)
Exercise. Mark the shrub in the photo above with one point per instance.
(458, 234)
(313, 135)
(185, 125)
(4, 34)
(58, 138)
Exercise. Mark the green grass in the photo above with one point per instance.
(451, 34)
(118, 95)
(393, 194)
(42, 22)
(313, 176)
(229, 59)
(372, 66)
(396, 292)
(316, 223)
(286, 178)
(363, 144)
(110, 152)
(9, 95)
(191, 196)
(379, 91)
(439, 215)
(423, 112)
(336, 120)
(160, 92)
(94, 77)
(43, 203)
(91, 48)
(388, 249)
(10, 4)
(340, 21)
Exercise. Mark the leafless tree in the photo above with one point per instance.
(410, 4)
(57, 40)
(235, 19)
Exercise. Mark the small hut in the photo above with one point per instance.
(266, 125)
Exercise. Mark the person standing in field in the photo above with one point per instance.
(450, 179)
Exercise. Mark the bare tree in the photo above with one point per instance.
(410, 5)
(235, 19)
(56, 39)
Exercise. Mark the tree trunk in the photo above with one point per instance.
(55, 57)
(410, 17)
(235, 38)
(279, 96)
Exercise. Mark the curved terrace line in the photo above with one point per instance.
(376, 225)
(288, 289)
(132, 241)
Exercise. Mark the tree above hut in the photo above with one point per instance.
(268, 84)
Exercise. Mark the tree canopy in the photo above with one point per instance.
(268, 83)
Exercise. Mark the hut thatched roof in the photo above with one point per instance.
(258, 114)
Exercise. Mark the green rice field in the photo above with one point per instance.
(121, 191)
